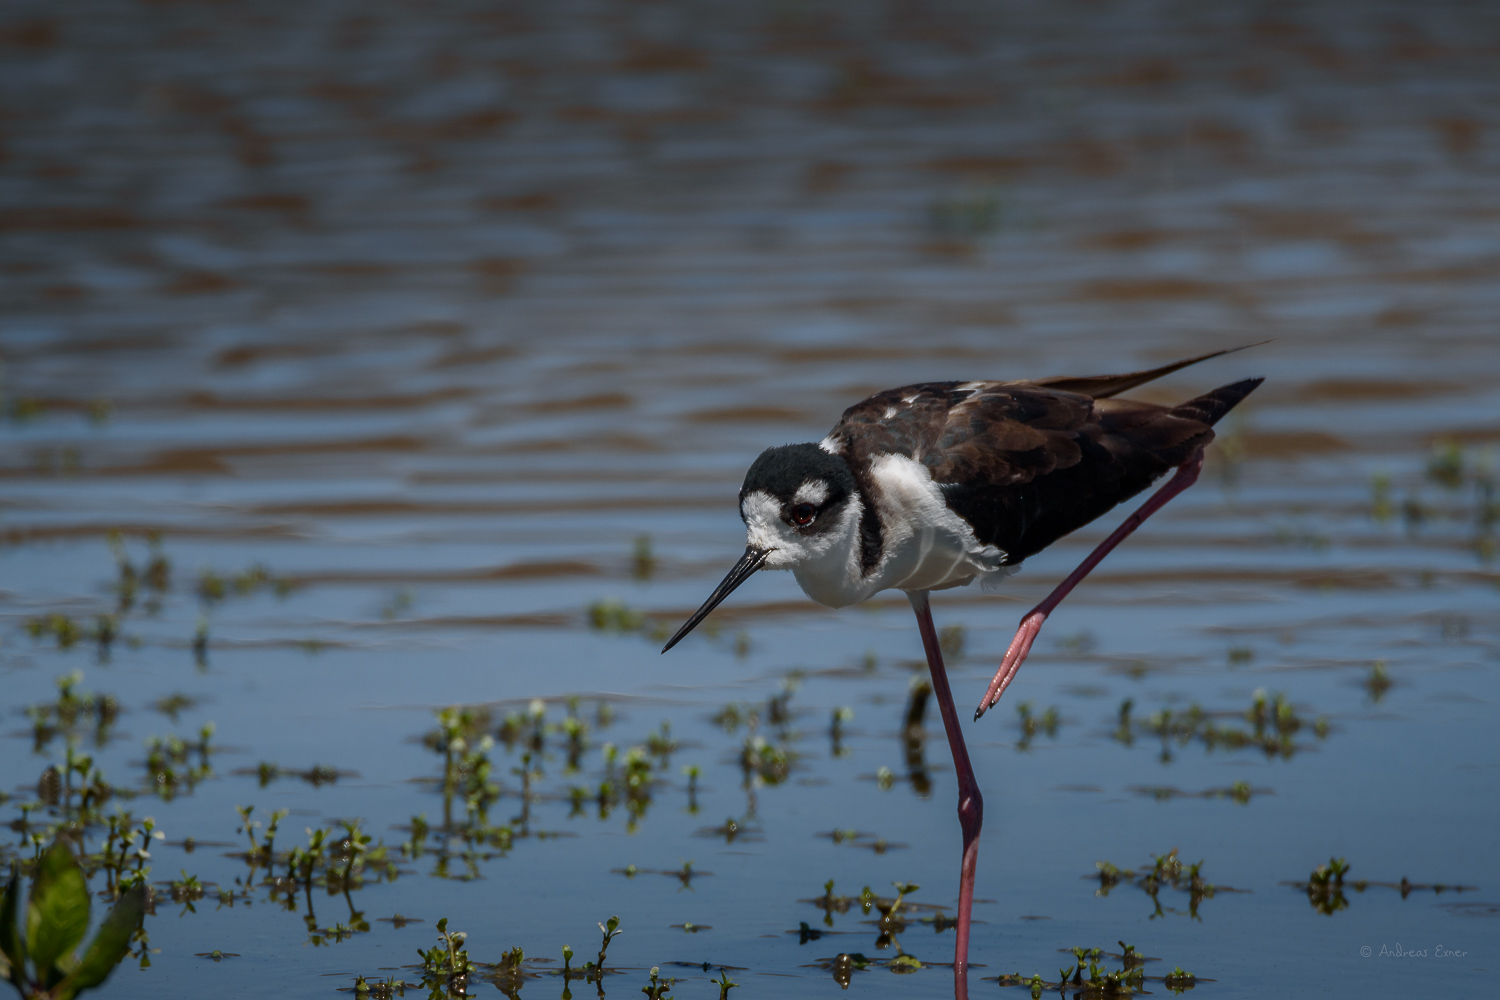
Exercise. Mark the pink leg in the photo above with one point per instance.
(1187, 475)
(970, 803)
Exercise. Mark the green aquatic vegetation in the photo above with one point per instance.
(262, 851)
(72, 714)
(895, 912)
(38, 950)
(661, 745)
(1079, 643)
(213, 588)
(447, 965)
(1240, 791)
(615, 616)
(1088, 977)
(840, 718)
(724, 983)
(174, 764)
(392, 987)
(174, 704)
(829, 904)
(67, 632)
(918, 693)
(731, 830)
(187, 891)
(1179, 980)
(1445, 465)
(1166, 872)
(1455, 471)
(1382, 508)
(764, 762)
(642, 559)
(843, 967)
(200, 645)
(692, 772)
(1378, 682)
(610, 930)
(951, 639)
(1274, 723)
(657, 988)
(412, 848)
(1031, 724)
(397, 605)
(733, 715)
(1325, 887)
(576, 732)
(779, 705)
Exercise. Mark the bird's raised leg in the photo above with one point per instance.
(1187, 475)
(970, 803)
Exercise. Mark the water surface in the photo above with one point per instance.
(463, 323)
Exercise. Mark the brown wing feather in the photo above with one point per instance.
(1103, 386)
(1026, 463)
(1024, 500)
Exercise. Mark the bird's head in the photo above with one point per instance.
(798, 503)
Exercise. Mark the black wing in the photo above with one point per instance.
(1026, 463)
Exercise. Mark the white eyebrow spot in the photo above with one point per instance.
(814, 491)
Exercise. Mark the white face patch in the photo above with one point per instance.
(814, 491)
(790, 548)
(832, 445)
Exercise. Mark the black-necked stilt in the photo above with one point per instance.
(938, 484)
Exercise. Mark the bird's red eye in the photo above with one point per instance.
(802, 514)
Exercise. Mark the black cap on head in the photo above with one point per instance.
(779, 471)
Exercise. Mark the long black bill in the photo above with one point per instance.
(748, 564)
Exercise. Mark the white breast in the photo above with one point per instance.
(927, 545)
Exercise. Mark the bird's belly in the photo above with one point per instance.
(929, 560)
(834, 590)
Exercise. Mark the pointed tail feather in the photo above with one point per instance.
(1104, 386)
(1210, 406)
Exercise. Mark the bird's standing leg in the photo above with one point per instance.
(1187, 475)
(970, 803)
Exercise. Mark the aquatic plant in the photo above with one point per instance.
(41, 961)
(446, 965)
(1325, 886)
(1031, 724)
(1167, 872)
(657, 988)
(1274, 724)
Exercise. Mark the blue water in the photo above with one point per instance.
(435, 314)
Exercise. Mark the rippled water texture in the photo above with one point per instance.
(411, 355)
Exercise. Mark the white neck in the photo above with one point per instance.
(834, 576)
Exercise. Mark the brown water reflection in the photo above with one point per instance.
(436, 311)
